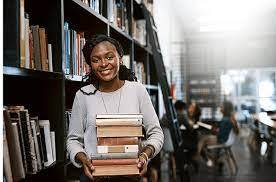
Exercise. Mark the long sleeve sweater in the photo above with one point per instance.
(132, 97)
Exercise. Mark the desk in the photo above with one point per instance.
(267, 120)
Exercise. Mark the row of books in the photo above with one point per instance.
(118, 144)
(35, 51)
(139, 31)
(139, 71)
(93, 4)
(118, 14)
(74, 60)
(29, 145)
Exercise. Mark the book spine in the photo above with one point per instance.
(53, 144)
(117, 149)
(103, 162)
(50, 57)
(119, 131)
(15, 117)
(34, 134)
(118, 116)
(133, 155)
(45, 126)
(6, 158)
(16, 160)
(29, 143)
(121, 122)
(118, 141)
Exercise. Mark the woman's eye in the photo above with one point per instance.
(95, 60)
(109, 58)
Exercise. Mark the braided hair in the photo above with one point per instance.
(124, 72)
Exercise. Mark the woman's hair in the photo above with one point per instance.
(228, 111)
(180, 105)
(124, 72)
(197, 112)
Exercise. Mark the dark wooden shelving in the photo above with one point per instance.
(23, 72)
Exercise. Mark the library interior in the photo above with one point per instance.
(139, 90)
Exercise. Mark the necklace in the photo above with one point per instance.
(118, 109)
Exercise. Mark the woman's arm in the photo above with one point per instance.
(154, 133)
(75, 141)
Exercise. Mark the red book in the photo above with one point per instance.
(118, 141)
(103, 162)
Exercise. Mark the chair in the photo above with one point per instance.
(224, 151)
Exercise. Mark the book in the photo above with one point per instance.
(13, 113)
(28, 142)
(120, 116)
(133, 155)
(207, 126)
(43, 49)
(119, 121)
(6, 158)
(37, 152)
(114, 170)
(53, 143)
(17, 167)
(117, 149)
(36, 47)
(104, 162)
(118, 141)
(46, 140)
(50, 59)
(119, 131)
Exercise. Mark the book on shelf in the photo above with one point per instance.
(17, 167)
(36, 144)
(43, 49)
(139, 31)
(139, 71)
(6, 158)
(46, 141)
(74, 59)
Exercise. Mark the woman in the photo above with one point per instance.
(194, 113)
(109, 92)
(227, 123)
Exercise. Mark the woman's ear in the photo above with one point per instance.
(121, 61)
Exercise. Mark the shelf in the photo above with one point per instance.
(75, 78)
(120, 31)
(81, 17)
(140, 46)
(23, 72)
(151, 87)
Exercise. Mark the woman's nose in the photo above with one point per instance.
(103, 62)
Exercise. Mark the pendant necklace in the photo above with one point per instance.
(118, 103)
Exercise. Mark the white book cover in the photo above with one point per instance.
(45, 126)
(53, 142)
(27, 46)
(119, 121)
(50, 58)
(119, 116)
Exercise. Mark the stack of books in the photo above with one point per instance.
(118, 137)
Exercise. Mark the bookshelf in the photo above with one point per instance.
(48, 94)
(204, 89)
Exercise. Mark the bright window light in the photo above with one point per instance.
(266, 89)
(230, 15)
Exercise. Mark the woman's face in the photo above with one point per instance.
(105, 61)
(191, 109)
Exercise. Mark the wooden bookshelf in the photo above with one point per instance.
(48, 94)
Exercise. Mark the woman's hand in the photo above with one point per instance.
(142, 165)
(88, 168)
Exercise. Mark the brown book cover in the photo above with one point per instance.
(43, 49)
(117, 149)
(119, 131)
(118, 141)
(17, 167)
(36, 47)
(116, 170)
(104, 162)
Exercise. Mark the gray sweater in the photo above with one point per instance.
(82, 127)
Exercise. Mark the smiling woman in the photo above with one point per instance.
(110, 92)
